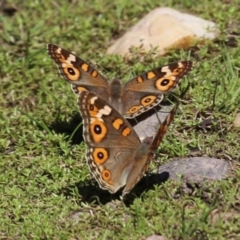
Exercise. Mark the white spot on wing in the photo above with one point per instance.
(92, 100)
(71, 58)
(180, 65)
(59, 50)
(166, 69)
(106, 110)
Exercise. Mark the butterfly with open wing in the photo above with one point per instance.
(132, 98)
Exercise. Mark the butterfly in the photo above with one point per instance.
(132, 98)
(115, 154)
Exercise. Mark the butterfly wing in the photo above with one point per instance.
(111, 142)
(147, 90)
(163, 128)
(137, 170)
(77, 72)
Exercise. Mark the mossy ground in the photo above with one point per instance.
(43, 175)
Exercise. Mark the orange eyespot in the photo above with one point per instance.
(148, 100)
(133, 109)
(164, 84)
(98, 130)
(100, 155)
(72, 73)
(106, 175)
(92, 110)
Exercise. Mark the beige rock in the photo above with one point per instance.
(236, 122)
(155, 237)
(164, 28)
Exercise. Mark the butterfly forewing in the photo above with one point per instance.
(75, 70)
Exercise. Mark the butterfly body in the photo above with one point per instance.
(132, 98)
(115, 155)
